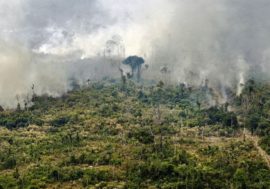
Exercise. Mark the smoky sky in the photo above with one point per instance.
(48, 43)
(34, 21)
(218, 40)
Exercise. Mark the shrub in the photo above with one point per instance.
(143, 135)
(55, 175)
(265, 144)
(10, 163)
(60, 121)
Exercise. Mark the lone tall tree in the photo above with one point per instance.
(135, 63)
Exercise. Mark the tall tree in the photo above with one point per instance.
(135, 62)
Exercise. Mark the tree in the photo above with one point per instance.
(135, 63)
(123, 78)
(114, 49)
(252, 122)
(198, 104)
(18, 107)
(16, 174)
(164, 70)
(240, 178)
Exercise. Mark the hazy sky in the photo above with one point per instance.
(48, 42)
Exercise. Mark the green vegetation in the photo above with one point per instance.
(127, 136)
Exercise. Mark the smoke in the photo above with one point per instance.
(51, 43)
(207, 38)
(48, 45)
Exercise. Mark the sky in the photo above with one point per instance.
(50, 43)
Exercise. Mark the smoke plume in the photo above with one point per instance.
(51, 43)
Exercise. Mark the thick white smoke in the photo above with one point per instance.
(48, 43)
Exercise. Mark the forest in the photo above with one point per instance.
(143, 94)
(114, 134)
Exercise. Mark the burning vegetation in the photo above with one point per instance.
(142, 94)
